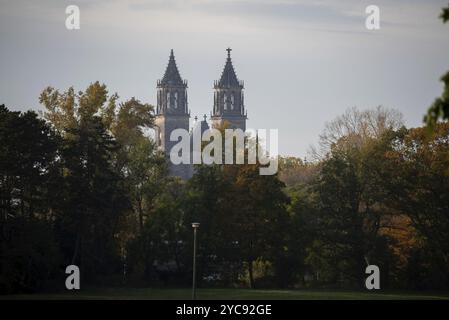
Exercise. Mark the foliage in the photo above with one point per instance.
(89, 187)
(27, 249)
(439, 110)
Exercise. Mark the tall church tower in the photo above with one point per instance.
(228, 99)
(171, 112)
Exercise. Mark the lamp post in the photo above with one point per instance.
(195, 226)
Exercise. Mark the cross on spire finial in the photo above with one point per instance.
(229, 52)
(205, 117)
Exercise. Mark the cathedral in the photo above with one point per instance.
(172, 111)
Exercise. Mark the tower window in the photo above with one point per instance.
(175, 102)
(168, 100)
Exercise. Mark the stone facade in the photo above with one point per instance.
(228, 99)
(172, 108)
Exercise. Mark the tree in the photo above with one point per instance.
(258, 217)
(295, 171)
(143, 166)
(112, 137)
(439, 110)
(244, 214)
(160, 251)
(352, 210)
(445, 14)
(419, 186)
(28, 149)
(355, 127)
(93, 201)
(208, 192)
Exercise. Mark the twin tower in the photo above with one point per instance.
(172, 110)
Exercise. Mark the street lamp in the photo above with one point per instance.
(195, 226)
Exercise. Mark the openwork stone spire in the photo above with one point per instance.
(228, 98)
(228, 76)
(171, 75)
(172, 91)
(172, 113)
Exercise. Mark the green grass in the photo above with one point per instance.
(244, 294)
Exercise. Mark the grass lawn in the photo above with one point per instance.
(244, 294)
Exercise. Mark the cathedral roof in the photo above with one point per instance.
(171, 75)
(228, 76)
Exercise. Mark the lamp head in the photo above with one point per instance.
(195, 225)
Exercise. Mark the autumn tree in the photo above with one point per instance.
(92, 197)
(418, 184)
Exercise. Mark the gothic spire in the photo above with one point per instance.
(171, 75)
(228, 76)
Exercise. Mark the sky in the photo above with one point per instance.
(303, 62)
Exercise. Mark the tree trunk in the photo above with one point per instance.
(251, 276)
(77, 245)
(139, 205)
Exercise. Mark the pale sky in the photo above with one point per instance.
(303, 62)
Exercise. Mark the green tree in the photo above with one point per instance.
(258, 218)
(94, 201)
(114, 138)
(352, 210)
(28, 253)
(439, 110)
(143, 166)
(206, 204)
(160, 251)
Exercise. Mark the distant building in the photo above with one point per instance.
(172, 110)
(228, 98)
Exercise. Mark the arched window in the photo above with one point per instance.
(175, 102)
(168, 100)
